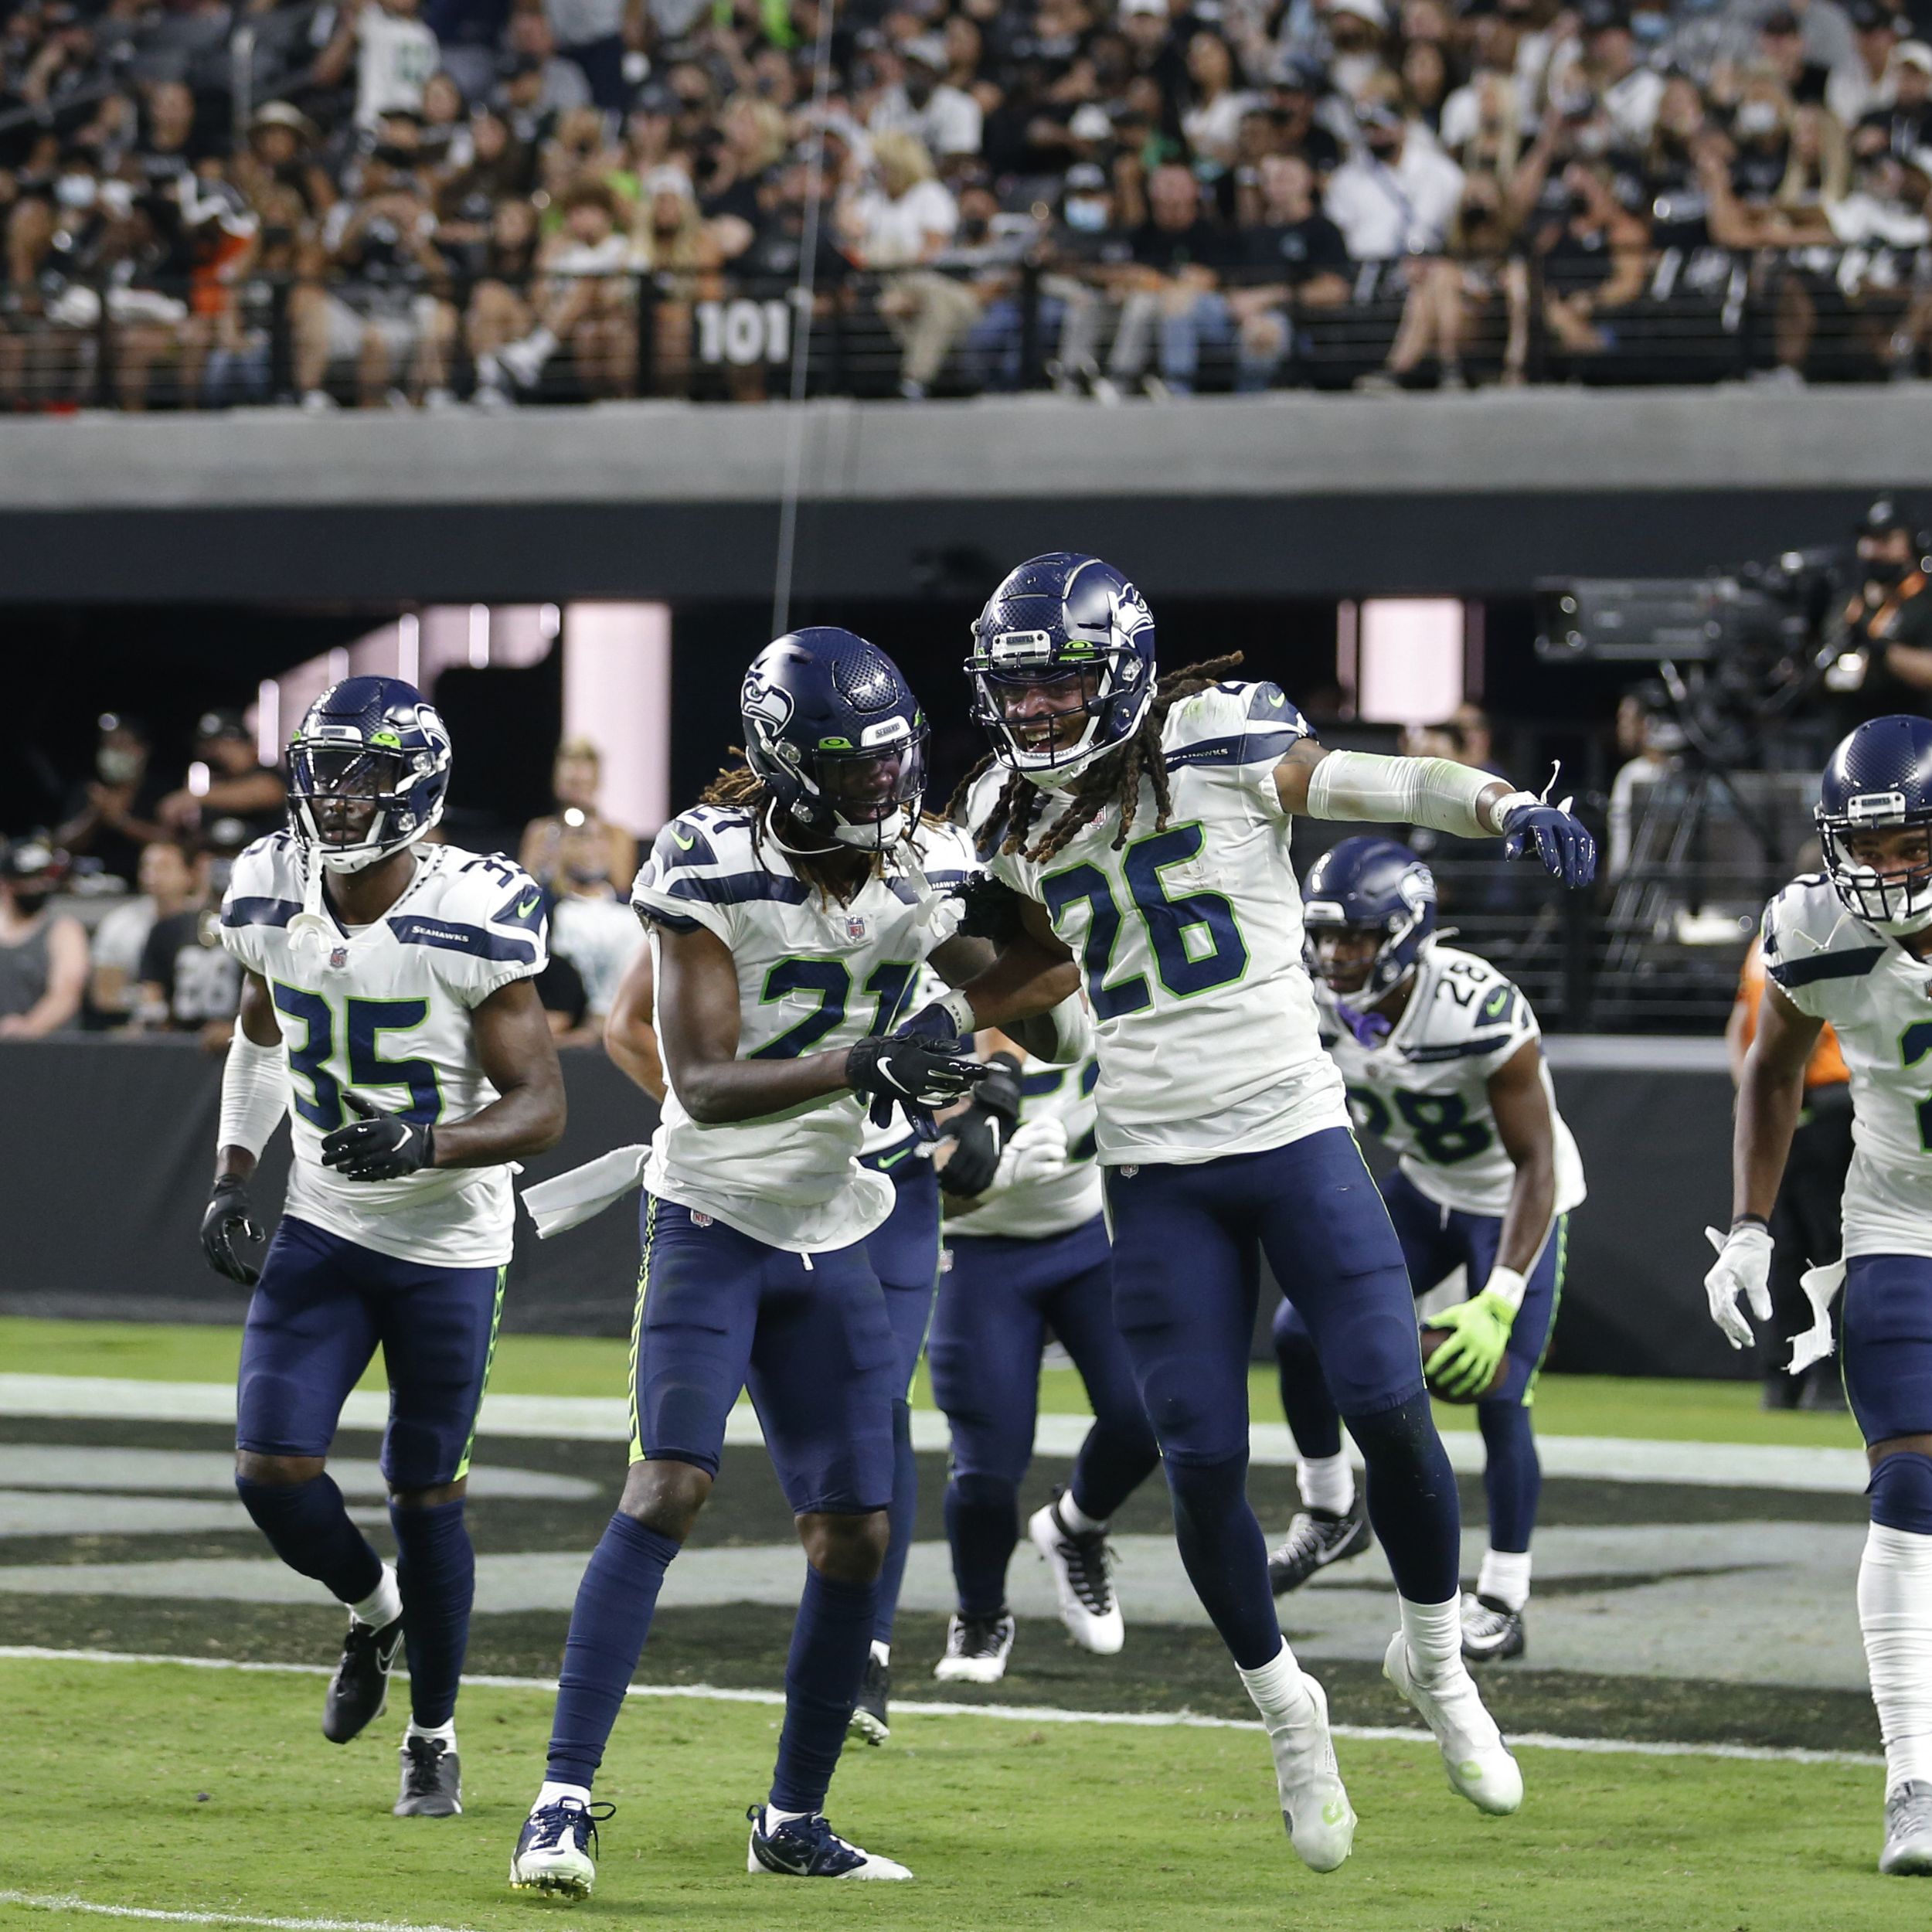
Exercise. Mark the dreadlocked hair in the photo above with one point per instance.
(735, 785)
(1114, 780)
(741, 787)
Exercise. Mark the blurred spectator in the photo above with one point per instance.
(1301, 260)
(190, 982)
(895, 213)
(596, 929)
(576, 848)
(590, 34)
(165, 885)
(945, 119)
(43, 954)
(113, 814)
(1397, 195)
(1174, 287)
(239, 787)
(392, 54)
(1651, 742)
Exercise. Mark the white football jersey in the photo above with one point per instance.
(1424, 1091)
(814, 975)
(1056, 1203)
(1190, 942)
(385, 1011)
(1879, 1001)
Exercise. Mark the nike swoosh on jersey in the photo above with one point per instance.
(526, 906)
(679, 840)
(892, 1160)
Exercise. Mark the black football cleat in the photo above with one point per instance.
(869, 1715)
(556, 1852)
(358, 1691)
(1317, 1538)
(808, 1848)
(432, 1780)
(1490, 1631)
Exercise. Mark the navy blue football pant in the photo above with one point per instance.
(999, 1297)
(1187, 1241)
(323, 1307)
(904, 1253)
(1436, 1241)
(1887, 1350)
(719, 1312)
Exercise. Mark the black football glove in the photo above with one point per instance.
(989, 908)
(980, 1134)
(917, 1072)
(379, 1146)
(228, 1215)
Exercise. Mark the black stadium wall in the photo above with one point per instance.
(106, 1147)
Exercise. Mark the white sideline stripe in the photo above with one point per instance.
(1706, 1465)
(1007, 1713)
(46, 1902)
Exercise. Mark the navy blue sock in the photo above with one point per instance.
(1225, 1556)
(1512, 1478)
(982, 1527)
(1313, 1420)
(901, 1515)
(1113, 1463)
(436, 1571)
(830, 1644)
(1411, 1494)
(608, 1625)
(307, 1525)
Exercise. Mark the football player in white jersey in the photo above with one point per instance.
(387, 1008)
(1026, 1255)
(1853, 945)
(1146, 828)
(789, 916)
(1440, 1054)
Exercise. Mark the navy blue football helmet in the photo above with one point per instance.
(373, 742)
(837, 735)
(1072, 635)
(1879, 779)
(1375, 884)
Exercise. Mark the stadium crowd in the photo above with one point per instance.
(208, 203)
(109, 921)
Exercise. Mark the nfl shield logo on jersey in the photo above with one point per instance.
(855, 928)
(338, 958)
(699, 1220)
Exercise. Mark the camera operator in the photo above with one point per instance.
(1886, 664)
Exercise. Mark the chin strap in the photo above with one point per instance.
(311, 926)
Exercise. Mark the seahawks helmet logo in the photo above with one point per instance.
(768, 709)
(1415, 888)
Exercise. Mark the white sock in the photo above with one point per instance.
(1433, 1633)
(1074, 1518)
(541, 343)
(443, 1734)
(382, 1605)
(1895, 1613)
(553, 1793)
(881, 1654)
(1505, 1576)
(1278, 1691)
(1326, 1482)
(775, 1818)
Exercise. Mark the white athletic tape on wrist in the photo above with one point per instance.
(1436, 792)
(254, 1094)
(959, 1008)
(1507, 1285)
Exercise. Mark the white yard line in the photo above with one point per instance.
(1007, 1713)
(46, 1902)
(604, 1419)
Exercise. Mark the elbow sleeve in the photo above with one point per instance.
(1363, 786)
(254, 1094)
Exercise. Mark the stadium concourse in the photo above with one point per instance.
(1696, 1560)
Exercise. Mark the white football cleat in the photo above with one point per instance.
(1908, 1832)
(808, 1848)
(1083, 1567)
(1478, 1762)
(977, 1649)
(1314, 1806)
(557, 1851)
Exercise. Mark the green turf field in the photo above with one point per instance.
(1675, 1411)
(200, 1792)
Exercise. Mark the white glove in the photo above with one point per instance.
(1743, 1266)
(1037, 1151)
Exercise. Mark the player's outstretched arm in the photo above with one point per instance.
(254, 1089)
(1030, 974)
(1480, 1326)
(1359, 787)
(517, 1053)
(629, 1038)
(1770, 1093)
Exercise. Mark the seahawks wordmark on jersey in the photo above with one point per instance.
(1879, 1001)
(1424, 1091)
(383, 1011)
(1054, 1203)
(814, 975)
(1190, 942)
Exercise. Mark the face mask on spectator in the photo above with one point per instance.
(1086, 213)
(76, 191)
(118, 764)
(1756, 118)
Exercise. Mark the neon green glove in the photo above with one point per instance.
(1479, 1332)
